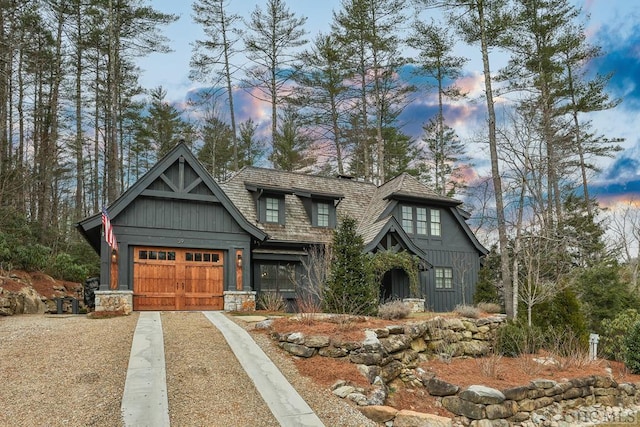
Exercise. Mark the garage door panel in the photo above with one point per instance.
(178, 279)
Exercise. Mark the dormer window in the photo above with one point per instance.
(269, 202)
(320, 206)
(272, 209)
(420, 221)
(323, 214)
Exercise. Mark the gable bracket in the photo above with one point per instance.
(167, 181)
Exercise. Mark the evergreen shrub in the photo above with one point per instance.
(632, 349)
(614, 332)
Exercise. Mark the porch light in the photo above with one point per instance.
(114, 256)
(239, 260)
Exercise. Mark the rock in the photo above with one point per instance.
(474, 348)
(369, 372)
(337, 384)
(482, 394)
(406, 418)
(347, 345)
(395, 329)
(419, 345)
(391, 370)
(382, 332)
(296, 338)
(317, 341)
(503, 410)
(371, 341)
(463, 407)
(604, 382)
(297, 349)
(543, 383)
(363, 357)
(332, 352)
(396, 343)
(527, 405)
(379, 413)
(515, 393)
(264, 324)
(454, 324)
(379, 394)
(627, 388)
(358, 398)
(415, 330)
(344, 391)
(438, 387)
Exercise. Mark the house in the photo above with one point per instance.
(187, 242)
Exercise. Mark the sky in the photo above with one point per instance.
(613, 24)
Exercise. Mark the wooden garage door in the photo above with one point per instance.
(177, 279)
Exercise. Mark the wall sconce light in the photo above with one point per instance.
(239, 260)
(114, 256)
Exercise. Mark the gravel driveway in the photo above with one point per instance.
(70, 371)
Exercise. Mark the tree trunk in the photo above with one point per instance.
(511, 300)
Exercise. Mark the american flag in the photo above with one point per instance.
(108, 230)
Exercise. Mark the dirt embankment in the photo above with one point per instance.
(33, 293)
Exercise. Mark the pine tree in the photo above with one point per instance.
(291, 144)
(272, 36)
(213, 55)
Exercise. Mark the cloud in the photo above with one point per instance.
(621, 47)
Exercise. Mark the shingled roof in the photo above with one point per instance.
(363, 201)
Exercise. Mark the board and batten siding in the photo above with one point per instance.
(167, 222)
(465, 265)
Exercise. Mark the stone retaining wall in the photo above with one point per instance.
(115, 301)
(386, 351)
(394, 352)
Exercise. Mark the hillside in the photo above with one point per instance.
(32, 293)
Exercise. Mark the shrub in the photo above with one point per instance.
(271, 301)
(66, 268)
(351, 288)
(489, 307)
(614, 332)
(516, 338)
(632, 349)
(394, 309)
(563, 311)
(467, 311)
(32, 257)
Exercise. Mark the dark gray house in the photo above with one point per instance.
(187, 242)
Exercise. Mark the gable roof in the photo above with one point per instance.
(90, 227)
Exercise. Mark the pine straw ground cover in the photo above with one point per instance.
(492, 371)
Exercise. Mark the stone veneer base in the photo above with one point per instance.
(114, 301)
(239, 300)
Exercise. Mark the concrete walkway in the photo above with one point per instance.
(283, 400)
(145, 403)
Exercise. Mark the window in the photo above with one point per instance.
(421, 221)
(407, 219)
(444, 278)
(272, 210)
(323, 215)
(435, 222)
(277, 277)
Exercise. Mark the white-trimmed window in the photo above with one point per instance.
(323, 214)
(272, 209)
(436, 228)
(407, 219)
(444, 278)
(421, 221)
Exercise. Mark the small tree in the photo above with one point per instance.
(351, 288)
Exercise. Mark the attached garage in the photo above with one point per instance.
(182, 244)
(177, 279)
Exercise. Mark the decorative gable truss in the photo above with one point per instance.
(181, 182)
